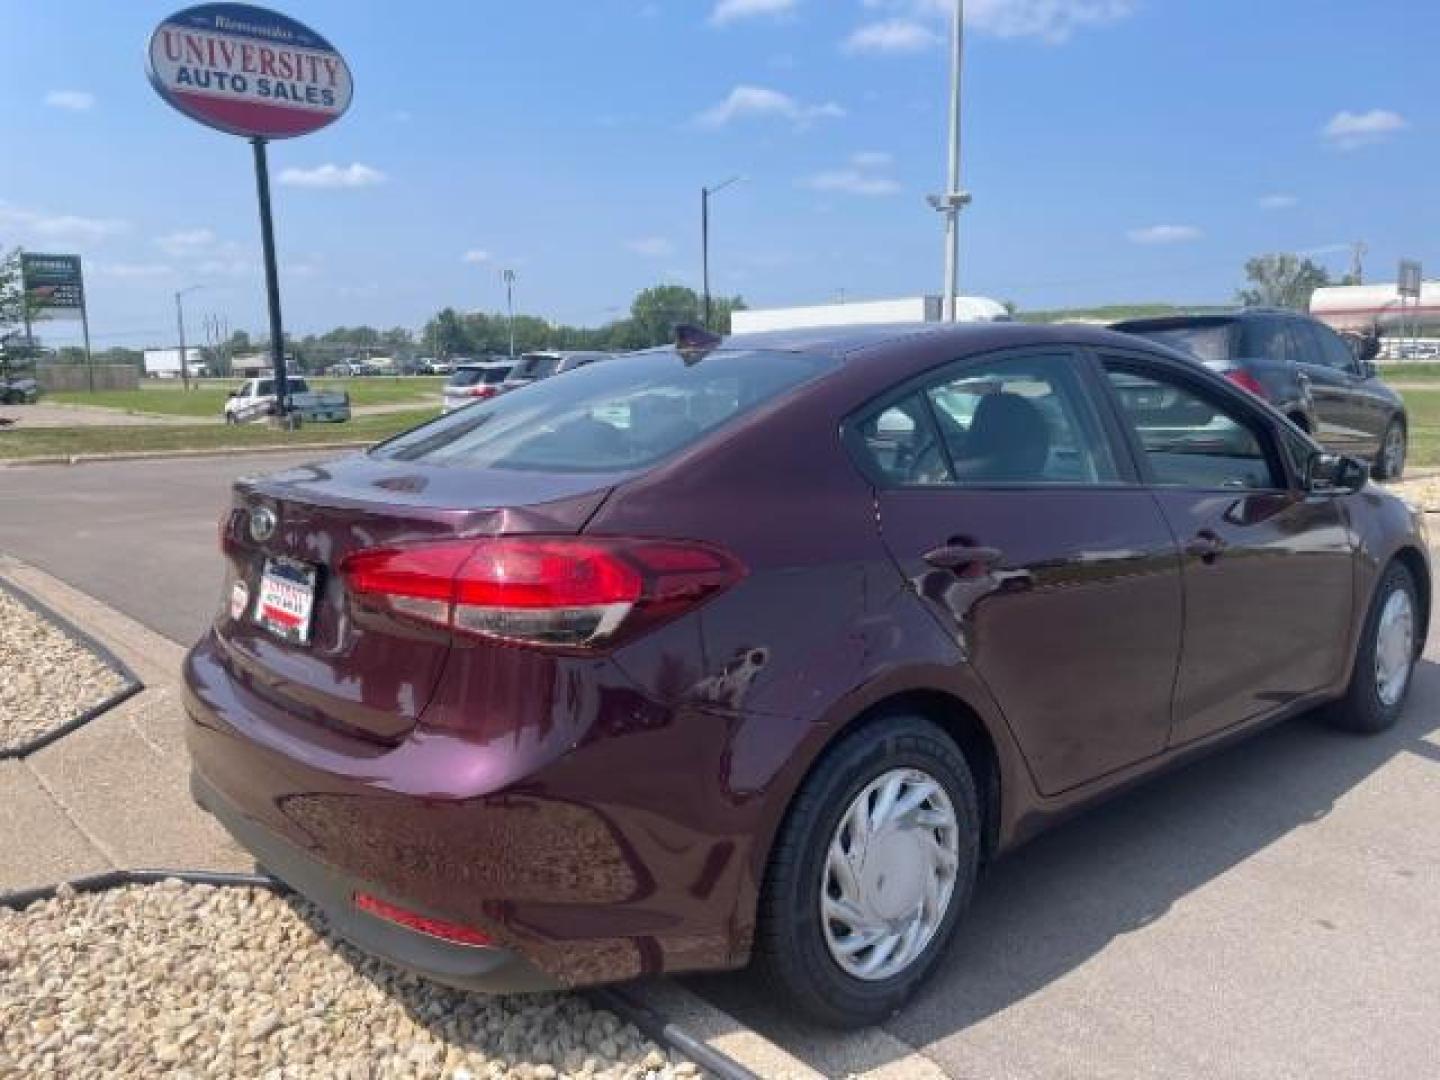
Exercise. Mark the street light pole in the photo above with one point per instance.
(180, 322)
(705, 193)
(955, 198)
(509, 276)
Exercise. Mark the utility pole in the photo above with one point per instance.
(954, 199)
(509, 276)
(180, 322)
(705, 194)
(1358, 251)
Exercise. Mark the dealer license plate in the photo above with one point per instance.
(287, 600)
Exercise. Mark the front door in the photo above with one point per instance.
(1346, 407)
(1267, 567)
(1003, 499)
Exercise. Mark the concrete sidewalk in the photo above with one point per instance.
(114, 794)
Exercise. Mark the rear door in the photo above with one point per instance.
(1004, 501)
(1267, 567)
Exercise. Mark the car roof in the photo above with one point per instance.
(481, 365)
(850, 343)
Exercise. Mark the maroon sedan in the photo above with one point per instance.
(760, 650)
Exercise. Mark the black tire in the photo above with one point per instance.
(1362, 710)
(791, 954)
(1384, 467)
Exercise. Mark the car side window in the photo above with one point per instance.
(1026, 419)
(1333, 351)
(902, 444)
(1191, 439)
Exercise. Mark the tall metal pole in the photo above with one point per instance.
(272, 278)
(85, 329)
(952, 208)
(509, 276)
(180, 322)
(705, 250)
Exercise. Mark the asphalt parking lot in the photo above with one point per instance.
(1271, 912)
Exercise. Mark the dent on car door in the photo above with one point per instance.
(1267, 568)
(1005, 503)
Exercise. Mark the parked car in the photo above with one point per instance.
(758, 651)
(531, 367)
(472, 383)
(19, 391)
(430, 366)
(255, 398)
(1303, 368)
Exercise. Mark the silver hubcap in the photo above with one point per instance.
(889, 874)
(1394, 451)
(1394, 647)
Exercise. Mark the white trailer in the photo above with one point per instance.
(909, 309)
(165, 363)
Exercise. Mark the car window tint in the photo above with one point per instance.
(1189, 439)
(903, 446)
(1265, 339)
(1022, 420)
(297, 386)
(466, 377)
(491, 376)
(1207, 342)
(619, 415)
(1333, 351)
(265, 388)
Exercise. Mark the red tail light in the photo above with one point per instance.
(437, 928)
(566, 593)
(482, 391)
(1243, 379)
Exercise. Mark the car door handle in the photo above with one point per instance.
(962, 556)
(1206, 545)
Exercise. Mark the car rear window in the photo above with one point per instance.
(624, 414)
(1209, 343)
(537, 367)
(466, 377)
(491, 376)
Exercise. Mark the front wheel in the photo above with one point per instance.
(1385, 660)
(872, 868)
(1390, 464)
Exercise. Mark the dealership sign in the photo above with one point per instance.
(248, 71)
(53, 283)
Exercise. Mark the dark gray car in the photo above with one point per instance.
(1303, 368)
(541, 365)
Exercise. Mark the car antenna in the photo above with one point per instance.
(694, 343)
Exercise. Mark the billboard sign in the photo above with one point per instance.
(248, 71)
(53, 283)
(1411, 278)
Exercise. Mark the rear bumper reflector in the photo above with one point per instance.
(423, 924)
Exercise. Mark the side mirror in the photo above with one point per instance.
(1335, 474)
(1369, 350)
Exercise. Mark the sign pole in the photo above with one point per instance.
(85, 329)
(272, 277)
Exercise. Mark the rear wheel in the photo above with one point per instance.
(1385, 659)
(1390, 464)
(873, 866)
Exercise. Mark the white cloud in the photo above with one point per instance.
(1278, 201)
(476, 255)
(333, 176)
(74, 100)
(34, 226)
(892, 36)
(1350, 131)
(746, 100)
(652, 247)
(851, 182)
(728, 11)
(1165, 234)
(1053, 21)
(186, 242)
(872, 159)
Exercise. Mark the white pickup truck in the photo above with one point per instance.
(255, 400)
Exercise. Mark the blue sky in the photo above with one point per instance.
(1118, 150)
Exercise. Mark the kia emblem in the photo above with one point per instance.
(262, 524)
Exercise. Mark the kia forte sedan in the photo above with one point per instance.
(758, 651)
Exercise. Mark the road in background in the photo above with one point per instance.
(1273, 911)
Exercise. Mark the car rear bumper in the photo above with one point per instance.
(529, 841)
(489, 969)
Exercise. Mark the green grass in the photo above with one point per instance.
(19, 443)
(1415, 372)
(207, 397)
(1423, 409)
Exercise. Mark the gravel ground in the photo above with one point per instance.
(49, 679)
(196, 981)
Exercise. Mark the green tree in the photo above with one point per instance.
(445, 335)
(657, 311)
(14, 349)
(1282, 280)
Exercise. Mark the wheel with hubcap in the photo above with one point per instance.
(1385, 659)
(1390, 464)
(873, 865)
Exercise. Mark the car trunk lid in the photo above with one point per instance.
(360, 669)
